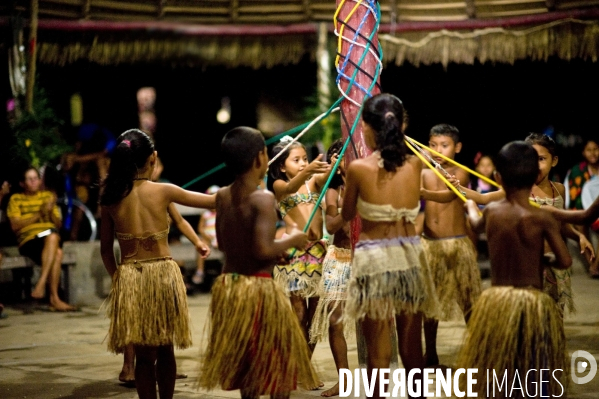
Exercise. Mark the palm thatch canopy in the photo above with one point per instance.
(261, 33)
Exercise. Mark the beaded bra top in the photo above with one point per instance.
(146, 242)
(294, 200)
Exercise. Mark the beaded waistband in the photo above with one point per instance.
(127, 261)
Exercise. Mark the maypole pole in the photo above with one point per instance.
(359, 67)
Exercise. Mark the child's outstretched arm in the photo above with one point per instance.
(284, 188)
(185, 228)
(587, 216)
(441, 196)
(266, 247)
(107, 241)
(482, 199)
(476, 219)
(188, 198)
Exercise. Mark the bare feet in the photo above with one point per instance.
(314, 388)
(198, 277)
(61, 306)
(127, 376)
(38, 292)
(334, 391)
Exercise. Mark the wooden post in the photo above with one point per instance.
(323, 64)
(323, 78)
(470, 9)
(32, 57)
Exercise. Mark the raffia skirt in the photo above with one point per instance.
(302, 275)
(454, 269)
(390, 276)
(515, 329)
(332, 290)
(255, 340)
(147, 305)
(557, 283)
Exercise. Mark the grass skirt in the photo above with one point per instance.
(147, 305)
(557, 284)
(255, 340)
(454, 269)
(515, 329)
(336, 269)
(302, 275)
(390, 276)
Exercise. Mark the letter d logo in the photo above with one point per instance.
(582, 366)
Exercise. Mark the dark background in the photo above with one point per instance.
(491, 104)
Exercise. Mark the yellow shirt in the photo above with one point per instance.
(25, 206)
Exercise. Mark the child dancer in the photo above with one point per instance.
(389, 277)
(147, 302)
(336, 269)
(297, 185)
(127, 374)
(255, 342)
(450, 253)
(515, 326)
(557, 282)
(483, 164)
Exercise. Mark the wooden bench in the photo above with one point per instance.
(22, 268)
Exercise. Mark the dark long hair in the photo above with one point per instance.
(274, 170)
(385, 114)
(130, 155)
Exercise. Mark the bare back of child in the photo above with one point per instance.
(388, 279)
(244, 224)
(134, 209)
(515, 327)
(516, 232)
(255, 342)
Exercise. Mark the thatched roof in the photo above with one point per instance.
(260, 33)
(284, 11)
